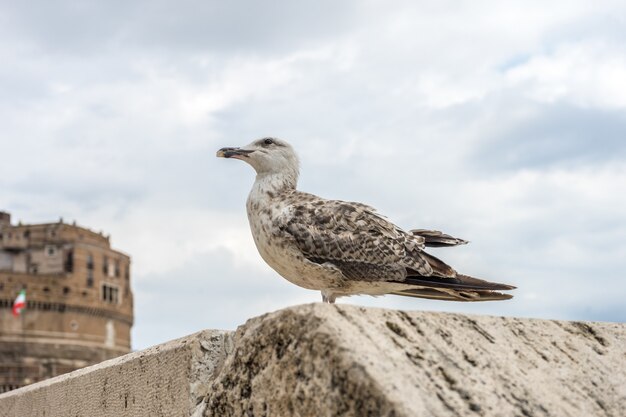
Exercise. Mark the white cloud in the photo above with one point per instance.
(588, 74)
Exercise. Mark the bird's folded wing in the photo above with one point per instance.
(367, 247)
(353, 237)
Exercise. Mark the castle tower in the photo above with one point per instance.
(79, 304)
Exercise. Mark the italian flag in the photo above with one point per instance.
(19, 303)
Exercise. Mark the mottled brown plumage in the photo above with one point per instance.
(353, 235)
(344, 248)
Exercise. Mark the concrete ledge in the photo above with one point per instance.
(165, 380)
(338, 360)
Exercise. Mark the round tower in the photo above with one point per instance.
(79, 303)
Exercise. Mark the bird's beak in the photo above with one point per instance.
(236, 153)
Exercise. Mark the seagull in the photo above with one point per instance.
(344, 248)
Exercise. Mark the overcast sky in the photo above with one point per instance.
(501, 122)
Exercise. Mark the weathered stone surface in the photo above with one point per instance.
(338, 360)
(165, 380)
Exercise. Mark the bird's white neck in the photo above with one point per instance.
(274, 183)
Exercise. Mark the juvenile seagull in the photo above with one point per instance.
(342, 248)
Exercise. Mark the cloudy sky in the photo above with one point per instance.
(501, 122)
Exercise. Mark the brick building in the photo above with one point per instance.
(79, 303)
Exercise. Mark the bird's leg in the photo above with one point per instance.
(328, 298)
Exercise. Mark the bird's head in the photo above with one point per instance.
(266, 156)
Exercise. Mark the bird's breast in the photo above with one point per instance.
(263, 215)
(278, 249)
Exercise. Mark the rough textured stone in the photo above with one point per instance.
(166, 380)
(338, 360)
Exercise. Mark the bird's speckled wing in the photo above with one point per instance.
(361, 243)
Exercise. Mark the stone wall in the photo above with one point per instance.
(338, 360)
(166, 380)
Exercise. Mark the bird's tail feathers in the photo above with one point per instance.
(460, 288)
(454, 295)
(437, 239)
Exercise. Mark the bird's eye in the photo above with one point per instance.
(268, 141)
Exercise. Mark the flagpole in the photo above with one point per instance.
(19, 305)
(22, 321)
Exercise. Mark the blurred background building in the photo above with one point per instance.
(79, 304)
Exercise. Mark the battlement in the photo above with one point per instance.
(5, 219)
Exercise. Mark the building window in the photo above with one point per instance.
(110, 294)
(69, 261)
(105, 265)
(117, 268)
(90, 267)
(90, 278)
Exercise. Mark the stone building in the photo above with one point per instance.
(79, 304)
